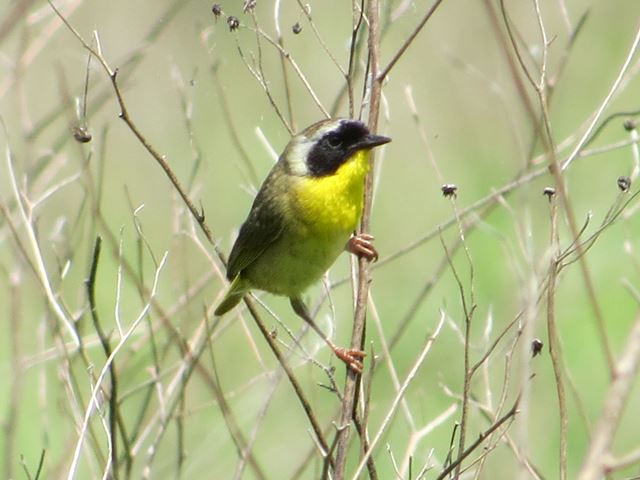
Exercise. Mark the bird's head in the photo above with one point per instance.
(323, 147)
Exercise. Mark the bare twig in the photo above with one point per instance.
(468, 311)
(115, 419)
(603, 105)
(26, 215)
(471, 448)
(409, 40)
(357, 338)
(13, 408)
(124, 115)
(283, 64)
(554, 340)
(400, 394)
(96, 388)
(562, 191)
(286, 55)
(12, 16)
(599, 453)
(296, 386)
(233, 131)
(194, 211)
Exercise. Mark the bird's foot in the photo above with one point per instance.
(362, 245)
(351, 357)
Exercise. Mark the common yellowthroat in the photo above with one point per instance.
(303, 216)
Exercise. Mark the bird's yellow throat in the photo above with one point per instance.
(334, 202)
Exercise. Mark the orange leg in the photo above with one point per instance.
(351, 357)
(362, 245)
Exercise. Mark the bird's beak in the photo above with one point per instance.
(371, 141)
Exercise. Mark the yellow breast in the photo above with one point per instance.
(334, 202)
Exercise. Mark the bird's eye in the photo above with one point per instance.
(334, 141)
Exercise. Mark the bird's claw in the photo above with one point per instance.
(362, 246)
(351, 357)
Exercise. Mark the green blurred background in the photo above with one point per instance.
(473, 125)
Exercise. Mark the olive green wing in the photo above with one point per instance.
(263, 226)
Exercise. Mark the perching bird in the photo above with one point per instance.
(303, 216)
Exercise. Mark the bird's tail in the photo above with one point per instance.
(236, 291)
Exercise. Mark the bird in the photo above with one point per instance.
(304, 215)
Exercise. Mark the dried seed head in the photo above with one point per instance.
(297, 28)
(536, 347)
(549, 192)
(81, 134)
(449, 190)
(624, 183)
(216, 9)
(233, 23)
(630, 124)
(249, 5)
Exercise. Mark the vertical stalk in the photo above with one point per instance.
(554, 341)
(352, 383)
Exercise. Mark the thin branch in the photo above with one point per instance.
(307, 13)
(513, 69)
(233, 130)
(554, 340)
(625, 461)
(352, 381)
(306, 405)
(468, 311)
(258, 74)
(603, 105)
(481, 438)
(354, 51)
(283, 63)
(564, 197)
(194, 211)
(97, 386)
(115, 419)
(15, 387)
(385, 71)
(124, 115)
(286, 55)
(595, 463)
(11, 16)
(26, 214)
(399, 396)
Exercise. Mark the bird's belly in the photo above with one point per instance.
(296, 261)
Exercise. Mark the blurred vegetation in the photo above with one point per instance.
(456, 116)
